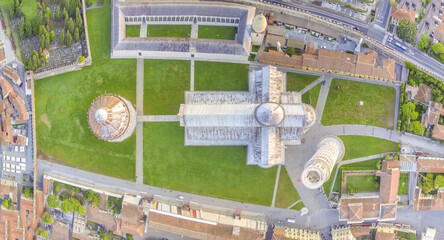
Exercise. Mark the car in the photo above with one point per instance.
(373, 12)
(180, 197)
(356, 28)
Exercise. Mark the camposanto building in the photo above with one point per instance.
(143, 13)
(265, 119)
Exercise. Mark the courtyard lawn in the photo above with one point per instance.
(343, 107)
(311, 97)
(164, 84)
(219, 76)
(182, 31)
(62, 103)
(217, 171)
(28, 7)
(403, 187)
(286, 193)
(363, 183)
(217, 32)
(298, 81)
(132, 30)
(363, 146)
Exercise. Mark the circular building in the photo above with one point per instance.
(259, 23)
(318, 169)
(111, 118)
(269, 114)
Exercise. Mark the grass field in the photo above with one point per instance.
(343, 107)
(403, 187)
(298, 81)
(311, 97)
(182, 31)
(164, 84)
(62, 103)
(132, 30)
(363, 183)
(365, 164)
(28, 7)
(218, 76)
(212, 171)
(286, 193)
(255, 48)
(217, 32)
(363, 146)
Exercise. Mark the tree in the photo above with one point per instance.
(65, 206)
(53, 201)
(71, 26)
(81, 210)
(78, 18)
(406, 30)
(81, 59)
(76, 35)
(52, 36)
(47, 218)
(27, 192)
(291, 51)
(22, 27)
(427, 183)
(57, 13)
(129, 237)
(92, 197)
(415, 127)
(88, 3)
(7, 203)
(438, 48)
(47, 40)
(62, 37)
(41, 232)
(439, 181)
(408, 111)
(424, 43)
(68, 39)
(28, 28)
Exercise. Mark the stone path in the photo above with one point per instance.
(276, 185)
(158, 118)
(312, 85)
(294, 203)
(325, 88)
(139, 126)
(194, 30)
(192, 76)
(143, 30)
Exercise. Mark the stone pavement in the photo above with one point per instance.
(192, 76)
(158, 118)
(139, 126)
(312, 85)
(143, 30)
(276, 185)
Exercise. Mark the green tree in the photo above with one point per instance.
(65, 206)
(408, 111)
(62, 37)
(129, 237)
(438, 48)
(53, 201)
(291, 51)
(52, 36)
(406, 30)
(71, 26)
(7, 203)
(76, 35)
(427, 183)
(439, 181)
(28, 28)
(81, 59)
(92, 197)
(415, 127)
(41, 232)
(47, 39)
(68, 38)
(22, 27)
(47, 218)
(27, 192)
(78, 18)
(424, 43)
(81, 210)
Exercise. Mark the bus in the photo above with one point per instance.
(400, 46)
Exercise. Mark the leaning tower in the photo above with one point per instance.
(318, 169)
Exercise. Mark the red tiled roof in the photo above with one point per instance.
(403, 13)
(438, 132)
(5, 86)
(430, 165)
(12, 74)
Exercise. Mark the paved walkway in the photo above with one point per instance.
(139, 126)
(294, 203)
(312, 85)
(143, 30)
(194, 30)
(325, 88)
(192, 76)
(158, 118)
(276, 185)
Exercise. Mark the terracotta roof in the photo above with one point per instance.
(407, 158)
(385, 236)
(12, 74)
(434, 203)
(197, 230)
(275, 59)
(355, 212)
(360, 231)
(59, 231)
(133, 219)
(276, 52)
(387, 71)
(273, 39)
(389, 181)
(296, 43)
(2, 54)
(7, 189)
(20, 106)
(20, 140)
(370, 207)
(366, 62)
(45, 186)
(275, 30)
(424, 94)
(388, 211)
(403, 13)
(430, 165)
(5, 86)
(6, 111)
(438, 132)
(26, 212)
(106, 219)
(431, 116)
(13, 231)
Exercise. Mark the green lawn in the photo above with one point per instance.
(403, 187)
(218, 76)
(164, 84)
(255, 48)
(217, 32)
(298, 81)
(132, 30)
(363, 183)
(286, 193)
(28, 7)
(311, 97)
(62, 104)
(182, 31)
(343, 107)
(365, 164)
(298, 206)
(212, 171)
(363, 146)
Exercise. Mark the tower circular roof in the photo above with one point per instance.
(269, 114)
(109, 117)
(259, 23)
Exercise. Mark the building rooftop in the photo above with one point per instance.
(259, 23)
(12, 74)
(404, 13)
(424, 94)
(430, 164)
